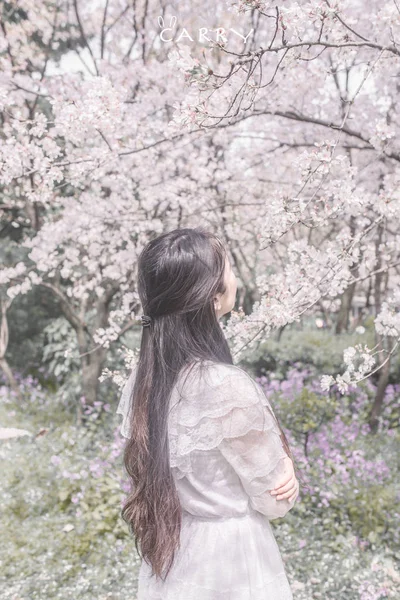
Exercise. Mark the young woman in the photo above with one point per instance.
(207, 459)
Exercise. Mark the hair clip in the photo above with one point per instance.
(146, 320)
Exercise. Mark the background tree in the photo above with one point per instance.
(275, 127)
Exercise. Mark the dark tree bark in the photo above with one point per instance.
(377, 405)
(3, 349)
(92, 356)
(381, 281)
(342, 323)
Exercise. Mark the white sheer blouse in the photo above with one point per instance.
(226, 455)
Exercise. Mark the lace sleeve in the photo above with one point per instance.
(124, 407)
(227, 410)
(257, 454)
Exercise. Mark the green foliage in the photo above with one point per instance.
(65, 487)
(345, 472)
(369, 508)
(62, 492)
(29, 314)
(306, 347)
(307, 412)
(60, 352)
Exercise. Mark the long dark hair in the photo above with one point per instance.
(179, 274)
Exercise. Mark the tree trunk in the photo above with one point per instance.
(326, 315)
(280, 331)
(380, 394)
(92, 364)
(92, 356)
(3, 349)
(10, 377)
(342, 323)
(384, 371)
(248, 298)
(90, 378)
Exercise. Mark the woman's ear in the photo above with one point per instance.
(217, 304)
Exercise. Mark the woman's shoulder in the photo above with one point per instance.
(226, 370)
(213, 374)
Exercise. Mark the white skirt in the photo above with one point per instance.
(224, 558)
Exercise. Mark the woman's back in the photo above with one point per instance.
(225, 454)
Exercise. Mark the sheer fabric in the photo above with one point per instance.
(225, 454)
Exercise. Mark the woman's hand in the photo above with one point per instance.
(289, 487)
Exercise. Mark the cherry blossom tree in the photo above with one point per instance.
(333, 212)
(272, 122)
